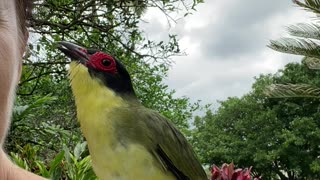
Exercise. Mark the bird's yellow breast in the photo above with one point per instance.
(110, 158)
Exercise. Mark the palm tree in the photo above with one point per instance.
(304, 40)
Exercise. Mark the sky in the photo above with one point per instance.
(225, 42)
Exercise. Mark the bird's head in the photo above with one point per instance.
(100, 65)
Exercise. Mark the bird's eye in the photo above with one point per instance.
(106, 62)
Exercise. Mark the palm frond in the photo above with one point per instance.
(298, 46)
(312, 63)
(292, 90)
(310, 5)
(304, 30)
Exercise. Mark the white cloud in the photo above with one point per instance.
(226, 45)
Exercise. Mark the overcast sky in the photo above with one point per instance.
(226, 45)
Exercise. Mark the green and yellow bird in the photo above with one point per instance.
(126, 140)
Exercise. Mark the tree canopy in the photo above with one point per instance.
(278, 137)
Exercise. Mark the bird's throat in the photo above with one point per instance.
(94, 103)
(87, 88)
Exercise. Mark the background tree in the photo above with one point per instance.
(278, 137)
(44, 113)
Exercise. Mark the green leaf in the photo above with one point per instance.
(292, 90)
(304, 30)
(19, 162)
(310, 5)
(312, 63)
(56, 174)
(22, 111)
(43, 170)
(56, 161)
(79, 149)
(305, 47)
(66, 153)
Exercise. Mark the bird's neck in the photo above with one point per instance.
(91, 96)
(95, 104)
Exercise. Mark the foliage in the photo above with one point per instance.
(292, 90)
(31, 124)
(304, 41)
(65, 165)
(279, 137)
(304, 36)
(299, 83)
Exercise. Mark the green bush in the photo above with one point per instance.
(74, 165)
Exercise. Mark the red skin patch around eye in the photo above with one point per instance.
(96, 62)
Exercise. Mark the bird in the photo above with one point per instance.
(125, 139)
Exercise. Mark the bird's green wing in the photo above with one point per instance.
(164, 141)
(174, 150)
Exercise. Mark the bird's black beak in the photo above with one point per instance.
(73, 51)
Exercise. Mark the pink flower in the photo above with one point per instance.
(227, 172)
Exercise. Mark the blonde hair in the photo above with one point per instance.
(24, 12)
